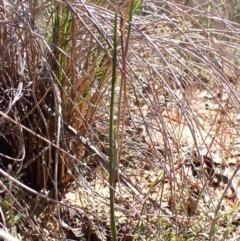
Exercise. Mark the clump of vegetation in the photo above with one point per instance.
(124, 108)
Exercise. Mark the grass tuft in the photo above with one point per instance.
(138, 97)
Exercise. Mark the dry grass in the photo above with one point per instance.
(178, 172)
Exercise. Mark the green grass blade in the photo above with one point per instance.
(61, 27)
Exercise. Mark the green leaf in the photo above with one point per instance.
(17, 218)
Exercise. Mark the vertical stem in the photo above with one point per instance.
(112, 163)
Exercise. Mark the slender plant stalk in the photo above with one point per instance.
(113, 161)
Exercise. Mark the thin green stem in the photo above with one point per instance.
(112, 163)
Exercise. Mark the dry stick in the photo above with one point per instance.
(58, 120)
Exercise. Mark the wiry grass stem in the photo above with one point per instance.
(112, 138)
